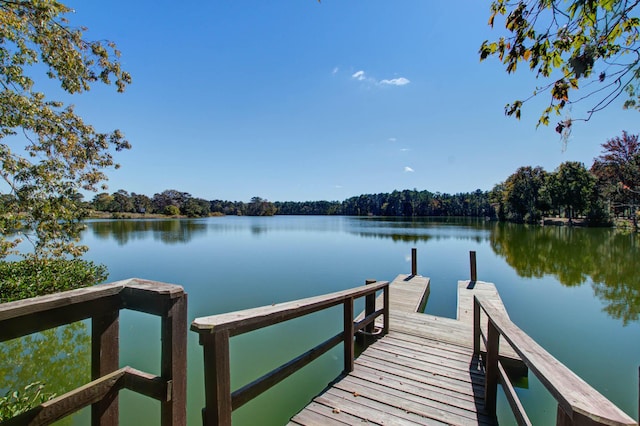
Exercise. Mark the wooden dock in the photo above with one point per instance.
(430, 370)
(423, 372)
(420, 370)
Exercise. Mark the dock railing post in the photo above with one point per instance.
(369, 308)
(414, 262)
(217, 379)
(472, 263)
(348, 336)
(105, 349)
(174, 362)
(385, 297)
(491, 369)
(476, 326)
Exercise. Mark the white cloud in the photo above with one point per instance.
(405, 149)
(408, 169)
(392, 139)
(359, 75)
(335, 71)
(401, 81)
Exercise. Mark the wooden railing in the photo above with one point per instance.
(102, 304)
(216, 330)
(578, 403)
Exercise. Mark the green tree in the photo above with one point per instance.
(122, 202)
(591, 46)
(141, 203)
(570, 188)
(48, 153)
(169, 197)
(171, 210)
(522, 202)
(196, 207)
(260, 207)
(102, 202)
(618, 173)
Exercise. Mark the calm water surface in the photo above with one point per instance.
(576, 291)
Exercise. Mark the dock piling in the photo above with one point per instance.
(414, 262)
(472, 263)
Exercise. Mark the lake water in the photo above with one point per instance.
(575, 291)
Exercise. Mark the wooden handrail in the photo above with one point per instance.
(102, 303)
(215, 331)
(240, 322)
(578, 402)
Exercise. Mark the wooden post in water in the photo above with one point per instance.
(472, 263)
(414, 262)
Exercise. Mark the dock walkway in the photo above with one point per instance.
(422, 372)
(422, 369)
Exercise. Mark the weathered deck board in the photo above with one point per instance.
(407, 297)
(395, 381)
(422, 372)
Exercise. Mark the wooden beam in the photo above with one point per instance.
(24, 320)
(255, 388)
(240, 322)
(173, 362)
(414, 262)
(576, 398)
(151, 297)
(64, 405)
(147, 384)
(472, 266)
(348, 332)
(105, 359)
(491, 370)
(477, 331)
(386, 309)
(512, 397)
(217, 379)
(34, 305)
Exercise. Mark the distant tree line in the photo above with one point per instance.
(610, 188)
(397, 203)
(169, 202)
(172, 202)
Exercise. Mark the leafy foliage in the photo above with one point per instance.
(522, 194)
(18, 402)
(47, 152)
(33, 277)
(570, 187)
(589, 45)
(618, 172)
(260, 207)
(61, 358)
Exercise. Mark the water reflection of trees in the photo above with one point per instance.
(167, 231)
(609, 258)
(421, 229)
(59, 358)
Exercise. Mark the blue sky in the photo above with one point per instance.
(300, 100)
